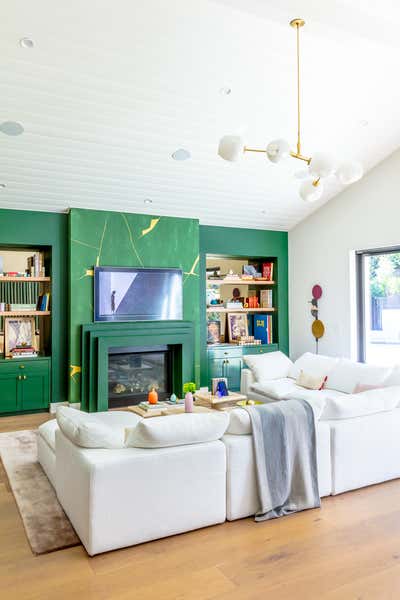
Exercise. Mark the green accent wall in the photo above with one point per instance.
(124, 239)
(30, 228)
(230, 241)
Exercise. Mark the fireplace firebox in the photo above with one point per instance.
(134, 371)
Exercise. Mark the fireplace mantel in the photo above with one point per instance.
(98, 338)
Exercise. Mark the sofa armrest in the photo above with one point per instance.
(246, 380)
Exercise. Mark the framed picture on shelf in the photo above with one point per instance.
(238, 326)
(19, 331)
(213, 332)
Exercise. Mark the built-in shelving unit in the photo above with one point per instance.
(239, 282)
(217, 309)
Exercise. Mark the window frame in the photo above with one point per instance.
(360, 293)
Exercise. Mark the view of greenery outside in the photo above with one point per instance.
(384, 271)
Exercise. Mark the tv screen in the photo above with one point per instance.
(133, 294)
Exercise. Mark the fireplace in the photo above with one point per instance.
(133, 371)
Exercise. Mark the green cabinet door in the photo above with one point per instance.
(216, 368)
(24, 385)
(9, 388)
(233, 369)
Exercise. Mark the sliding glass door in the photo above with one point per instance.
(378, 276)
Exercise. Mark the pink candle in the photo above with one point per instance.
(189, 402)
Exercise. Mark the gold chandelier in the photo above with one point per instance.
(320, 165)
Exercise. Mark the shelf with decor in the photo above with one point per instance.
(240, 313)
(217, 309)
(25, 328)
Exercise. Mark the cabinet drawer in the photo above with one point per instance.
(260, 349)
(225, 352)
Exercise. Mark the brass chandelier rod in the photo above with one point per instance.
(296, 23)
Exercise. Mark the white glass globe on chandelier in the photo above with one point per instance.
(320, 165)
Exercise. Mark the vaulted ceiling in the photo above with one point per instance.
(111, 89)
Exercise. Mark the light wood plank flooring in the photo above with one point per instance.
(349, 549)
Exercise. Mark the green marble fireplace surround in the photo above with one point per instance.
(100, 238)
(99, 338)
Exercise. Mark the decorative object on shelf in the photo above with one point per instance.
(188, 402)
(119, 388)
(268, 271)
(19, 332)
(248, 340)
(173, 398)
(213, 332)
(250, 271)
(237, 326)
(317, 327)
(266, 298)
(320, 165)
(152, 396)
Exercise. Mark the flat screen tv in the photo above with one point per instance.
(133, 294)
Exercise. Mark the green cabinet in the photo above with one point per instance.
(227, 361)
(24, 384)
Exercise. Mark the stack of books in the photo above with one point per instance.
(23, 352)
(22, 307)
(35, 266)
(266, 298)
(147, 406)
(43, 302)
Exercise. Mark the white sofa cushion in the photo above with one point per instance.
(362, 404)
(315, 398)
(88, 432)
(346, 375)
(310, 382)
(316, 365)
(271, 365)
(177, 430)
(239, 422)
(48, 432)
(278, 389)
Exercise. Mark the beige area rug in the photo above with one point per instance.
(46, 525)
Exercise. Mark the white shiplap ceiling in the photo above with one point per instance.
(112, 88)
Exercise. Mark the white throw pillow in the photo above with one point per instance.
(311, 382)
(177, 430)
(271, 365)
(316, 365)
(239, 422)
(348, 374)
(81, 430)
(362, 404)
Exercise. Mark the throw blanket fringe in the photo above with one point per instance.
(286, 457)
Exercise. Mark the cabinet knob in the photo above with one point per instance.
(19, 377)
(22, 366)
(23, 376)
(225, 353)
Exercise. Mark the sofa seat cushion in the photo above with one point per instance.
(347, 375)
(268, 366)
(316, 365)
(93, 430)
(177, 430)
(278, 389)
(239, 422)
(349, 406)
(48, 432)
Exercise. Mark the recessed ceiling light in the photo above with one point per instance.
(3, 185)
(263, 212)
(11, 128)
(26, 43)
(181, 154)
(148, 201)
(225, 91)
(364, 123)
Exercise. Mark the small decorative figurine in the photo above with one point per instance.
(222, 390)
(188, 402)
(172, 398)
(153, 396)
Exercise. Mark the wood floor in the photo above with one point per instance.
(348, 549)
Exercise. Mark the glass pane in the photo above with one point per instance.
(382, 308)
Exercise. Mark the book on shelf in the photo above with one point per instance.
(266, 298)
(157, 406)
(22, 307)
(23, 352)
(262, 328)
(35, 265)
(43, 302)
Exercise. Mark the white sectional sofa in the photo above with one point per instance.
(363, 428)
(179, 474)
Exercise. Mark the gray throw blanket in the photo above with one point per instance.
(286, 457)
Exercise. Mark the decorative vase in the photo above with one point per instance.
(173, 398)
(189, 402)
(152, 397)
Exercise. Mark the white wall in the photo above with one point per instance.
(321, 250)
